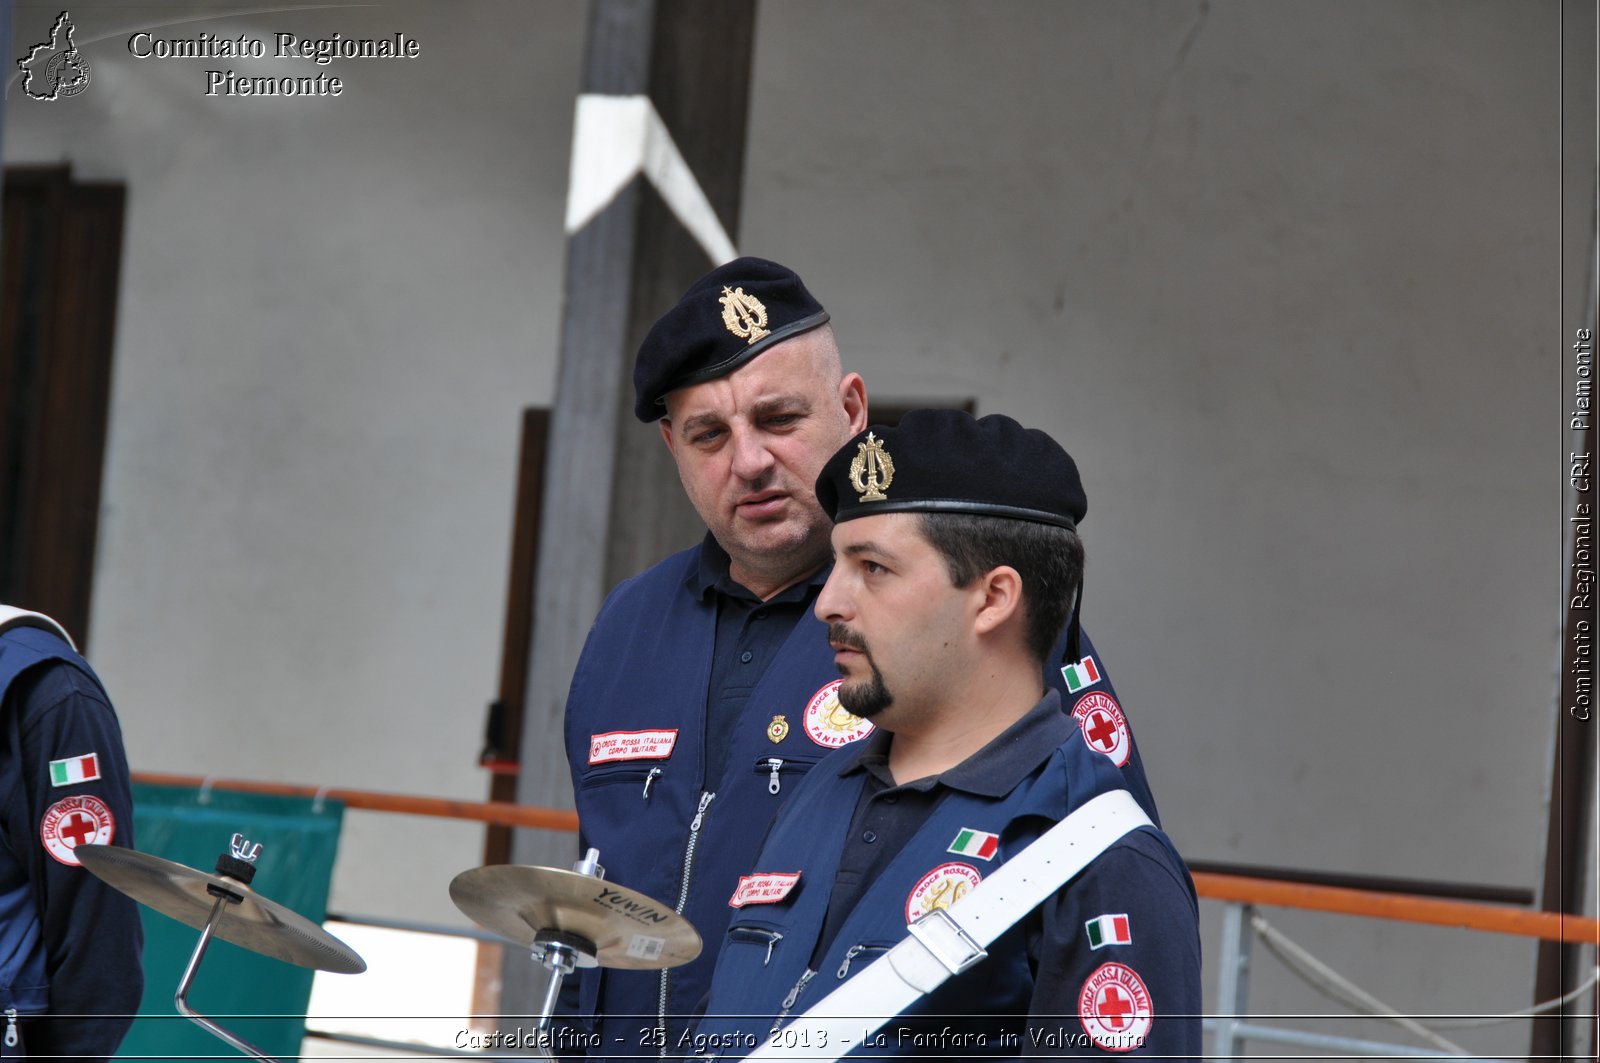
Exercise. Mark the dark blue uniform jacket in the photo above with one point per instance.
(69, 944)
(634, 732)
(1049, 986)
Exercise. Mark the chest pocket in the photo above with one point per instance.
(780, 769)
(642, 776)
(861, 954)
(752, 939)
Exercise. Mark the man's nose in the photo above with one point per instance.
(751, 458)
(832, 603)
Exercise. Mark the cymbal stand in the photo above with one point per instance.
(238, 866)
(562, 953)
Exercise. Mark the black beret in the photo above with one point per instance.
(725, 319)
(945, 461)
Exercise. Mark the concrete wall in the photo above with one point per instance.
(1285, 277)
(333, 311)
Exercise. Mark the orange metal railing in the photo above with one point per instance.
(1468, 915)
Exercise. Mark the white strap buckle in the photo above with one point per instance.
(943, 937)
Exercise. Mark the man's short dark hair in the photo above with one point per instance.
(1048, 558)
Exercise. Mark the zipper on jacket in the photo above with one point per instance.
(683, 901)
(771, 937)
(649, 778)
(776, 767)
(856, 950)
(788, 1001)
(11, 1027)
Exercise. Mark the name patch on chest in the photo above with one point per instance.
(632, 745)
(764, 888)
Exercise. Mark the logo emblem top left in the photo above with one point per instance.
(55, 68)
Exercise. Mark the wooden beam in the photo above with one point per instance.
(612, 503)
(1569, 853)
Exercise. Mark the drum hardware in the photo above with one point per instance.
(573, 919)
(220, 905)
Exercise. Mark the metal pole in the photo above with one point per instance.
(1233, 980)
(182, 996)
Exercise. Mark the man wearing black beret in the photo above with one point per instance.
(956, 561)
(706, 688)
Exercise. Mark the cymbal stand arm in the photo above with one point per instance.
(560, 961)
(181, 999)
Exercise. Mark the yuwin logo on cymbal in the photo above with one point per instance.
(55, 68)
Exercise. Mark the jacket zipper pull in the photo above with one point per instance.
(772, 782)
(11, 1028)
(855, 950)
(700, 813)
(794, 995)
(648, 779)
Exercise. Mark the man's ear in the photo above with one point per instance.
(853, 397)
(665, 424)
(998, 593)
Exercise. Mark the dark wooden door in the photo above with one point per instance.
(60, 257)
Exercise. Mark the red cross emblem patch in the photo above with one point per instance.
(1104, 727)
(1114, 1008)
(82, 819)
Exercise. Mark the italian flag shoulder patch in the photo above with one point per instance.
(66, 772)
(978, 843)
(1108, 930)
(1080, 675)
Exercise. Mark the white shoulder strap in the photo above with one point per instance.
(11, 616)
(947, 941)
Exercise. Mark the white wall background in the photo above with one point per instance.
(1285, 277)
(333, 312)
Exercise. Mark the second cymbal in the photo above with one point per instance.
(627, 929)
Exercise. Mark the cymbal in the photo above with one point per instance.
(628, 929)
(255, 923)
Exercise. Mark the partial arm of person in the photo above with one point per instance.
(92, 935)
(1116, 958)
